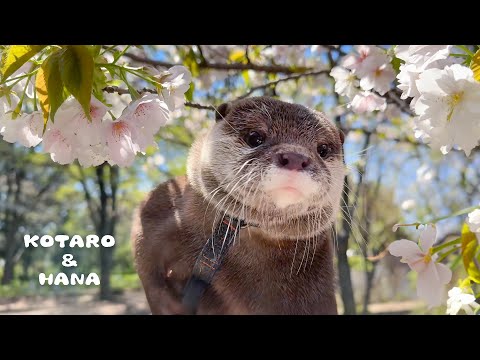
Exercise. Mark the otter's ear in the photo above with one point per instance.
(342, 136)
(222, 111)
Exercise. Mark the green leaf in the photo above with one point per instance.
(49, 87)
(14, 56)
(189, 92)
(95, 49)
(475, 65)
(469, 249)
(76, 69)
(396, 62)
(190, 61)
(99, 83)
(133, 92)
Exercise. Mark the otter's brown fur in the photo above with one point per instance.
(261, 274)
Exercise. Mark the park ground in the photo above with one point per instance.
(131, 302)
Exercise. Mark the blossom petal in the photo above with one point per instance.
(428, 285)
(466, 299)
(427, 237)
(408, 250)
(444, 273)
(453, 292)
(453, 308)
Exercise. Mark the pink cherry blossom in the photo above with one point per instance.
(432, 276)
(356, 62)
(73, 136)
(367, 101)
(72, 112)
(124, 140)
(58, 145)
(30, 132)
(147, 115)
(26, 129)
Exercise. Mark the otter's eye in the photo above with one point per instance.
(324, 150)
(254, 139)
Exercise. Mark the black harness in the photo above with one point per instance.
(209, 261)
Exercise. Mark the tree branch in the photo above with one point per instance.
(274, 69)
(398, 140)
(274, 83)
(121, 91)
(393, 97)
(149, 61)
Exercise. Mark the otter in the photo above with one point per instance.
(278, 167)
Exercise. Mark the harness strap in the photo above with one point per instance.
(209, 261)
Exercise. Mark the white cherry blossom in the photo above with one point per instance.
(175, 84)
(346, 83)
(378, 74)
(460, 300)
(432, 276)
(473, 221)
(449, 108)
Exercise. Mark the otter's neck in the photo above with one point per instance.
(204, 216)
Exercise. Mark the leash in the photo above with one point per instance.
(209, 261)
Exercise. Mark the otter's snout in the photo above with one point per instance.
(292, 161)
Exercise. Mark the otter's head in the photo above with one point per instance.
(276, 165)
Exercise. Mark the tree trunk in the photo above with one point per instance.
(106, 225)
(105, 253)
(8, 271)
(369, 275)
(14, 188)
(346, 288)
(26, 263)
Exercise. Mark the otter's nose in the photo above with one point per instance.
(292, 161)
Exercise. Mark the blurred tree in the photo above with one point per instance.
(27, 182)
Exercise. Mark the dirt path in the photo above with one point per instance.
(132, 302)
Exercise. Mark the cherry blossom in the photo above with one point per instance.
(408, 204)
(72, 136)
(473, 221)
(367, 101)
(346, 83)
(357, 61)
(175, 84)
(148, 114)
(419, 58)
(378, 74)
(56, 142)
(26, 129)
(460, 300)
(6, 107)
(449, 108)
(432, 276)
(124, 140)
(30, 129)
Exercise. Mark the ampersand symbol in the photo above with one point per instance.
(68, 260)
